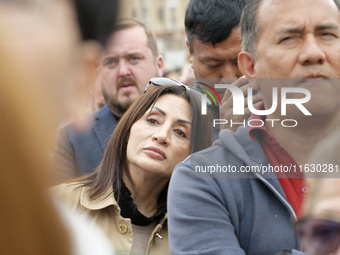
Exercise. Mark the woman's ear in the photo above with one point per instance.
(246, 64)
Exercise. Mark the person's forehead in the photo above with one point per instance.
(229, 48)
(131, 41)
(277, 11)
(165, 98)
(326, 197)
(134, 34)
(280, 3)
(173, 105)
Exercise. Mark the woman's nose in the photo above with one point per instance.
(162, 136)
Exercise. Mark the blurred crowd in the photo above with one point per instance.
(105, 152)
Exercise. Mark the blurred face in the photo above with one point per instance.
(127, 66)
(301, 41)
(218, 61)
(161, 138)
(321, 232)
(42, 38)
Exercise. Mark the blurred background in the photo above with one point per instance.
(166, 19)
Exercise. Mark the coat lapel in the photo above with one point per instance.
(103, 126)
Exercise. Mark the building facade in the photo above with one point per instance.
(166, 18)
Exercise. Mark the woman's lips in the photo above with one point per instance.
(155, 152)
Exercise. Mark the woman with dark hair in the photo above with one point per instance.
(127, 194)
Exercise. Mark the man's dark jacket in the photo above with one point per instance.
(79, 152)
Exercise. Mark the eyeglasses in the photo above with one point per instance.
(162, 81)
(319, 236)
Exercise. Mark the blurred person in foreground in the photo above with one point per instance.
(96, 97)
(214, 42)
(130, 59)
(289, 45)
(43, 63)
(126, 196)
(319, 224)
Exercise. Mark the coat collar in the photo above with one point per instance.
(105, 200)
(101, 202)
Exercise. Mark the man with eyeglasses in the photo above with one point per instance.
(129, 60)
(250, 185)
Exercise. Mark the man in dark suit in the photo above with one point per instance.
(129, 60)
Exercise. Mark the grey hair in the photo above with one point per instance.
(249, 28)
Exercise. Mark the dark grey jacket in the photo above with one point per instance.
(223, 214)
(79, 152)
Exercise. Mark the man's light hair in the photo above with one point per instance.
(125, 23)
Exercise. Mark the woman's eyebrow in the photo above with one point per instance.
(160, 110)
(164, 114)
(184, 121)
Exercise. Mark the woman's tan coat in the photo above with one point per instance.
(105, 211)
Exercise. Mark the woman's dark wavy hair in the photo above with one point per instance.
(114, 164)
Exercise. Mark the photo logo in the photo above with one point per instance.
(204, 97)
(239, 98)
(280, 99)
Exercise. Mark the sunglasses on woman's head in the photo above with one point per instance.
(162, 81)
(319, 236)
